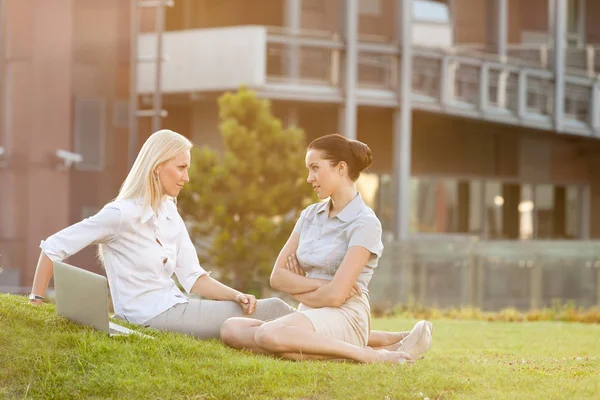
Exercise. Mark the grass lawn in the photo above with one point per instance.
(43, 356)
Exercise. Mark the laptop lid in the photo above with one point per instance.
(81, 296)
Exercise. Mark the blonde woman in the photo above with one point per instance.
(327, 264)
(143, 242)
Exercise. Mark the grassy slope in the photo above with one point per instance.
(43, 356)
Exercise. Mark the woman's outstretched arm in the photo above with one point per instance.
(99, 228)
(43, 273)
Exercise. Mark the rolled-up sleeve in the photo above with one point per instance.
(187, 267)
(97, 229)
(367, 234)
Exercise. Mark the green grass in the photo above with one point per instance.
(43, 356)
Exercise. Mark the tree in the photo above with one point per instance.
(241, 204)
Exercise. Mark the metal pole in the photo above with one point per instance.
(560, 15)
(551, 17)
(160, 27)
(351, 65)
(133, 64)
(403, 124)
(502, 8)
(292, 15)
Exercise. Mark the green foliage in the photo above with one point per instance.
(242, 203)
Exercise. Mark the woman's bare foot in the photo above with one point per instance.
(394, 357)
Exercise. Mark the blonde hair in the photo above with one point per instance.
(141, 183)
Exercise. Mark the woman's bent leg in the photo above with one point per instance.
(382, 339)
(294, 334)
(204, 318)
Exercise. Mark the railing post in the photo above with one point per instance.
(447, 80)
(334, 73)
(471, 278)
(502, 87)
(594, 111)
(422, 284)
(544, 56)
(535, 286)
(559, 63)
(480, 283)
(522, 97)
(483, 87)
(589, 58)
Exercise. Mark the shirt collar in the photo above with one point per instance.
(163, 209)
(351, 209)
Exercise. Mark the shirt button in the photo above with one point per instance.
(165, 260)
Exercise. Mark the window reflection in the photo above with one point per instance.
(489, 209)
(494, 201)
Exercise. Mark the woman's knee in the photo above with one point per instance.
(230, 331)
(269, 338)
(274, 307)
(235, 331)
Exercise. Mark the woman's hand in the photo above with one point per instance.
(354, 291)
(293, 265)
(247, 301)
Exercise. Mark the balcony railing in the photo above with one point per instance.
(579, 61)
(309, 65)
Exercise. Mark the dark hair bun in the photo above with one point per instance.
(362, 154)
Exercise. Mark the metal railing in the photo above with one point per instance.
(490, 275)
(458, 80)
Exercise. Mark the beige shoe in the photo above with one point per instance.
(418, 340)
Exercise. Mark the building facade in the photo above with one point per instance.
(478, 123)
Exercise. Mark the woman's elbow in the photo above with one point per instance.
(274, 281)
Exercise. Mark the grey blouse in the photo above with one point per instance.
(325, 241)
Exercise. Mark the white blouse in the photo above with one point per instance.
(139, 269)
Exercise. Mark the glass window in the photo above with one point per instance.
(475, 209)
(437, 206)
(526, 212)
(431, 11)
(544, 201)
(573, 16)
(494, 203)
(573, 212)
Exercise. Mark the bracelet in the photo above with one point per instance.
(35, 297)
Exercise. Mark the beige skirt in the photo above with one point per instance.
(350, 323)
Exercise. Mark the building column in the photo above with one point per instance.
(497, 27)
(403, 123)
(560, 31)
(293, 21)
(502, 29)
(349, 110)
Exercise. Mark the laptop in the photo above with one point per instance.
(82, 297)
